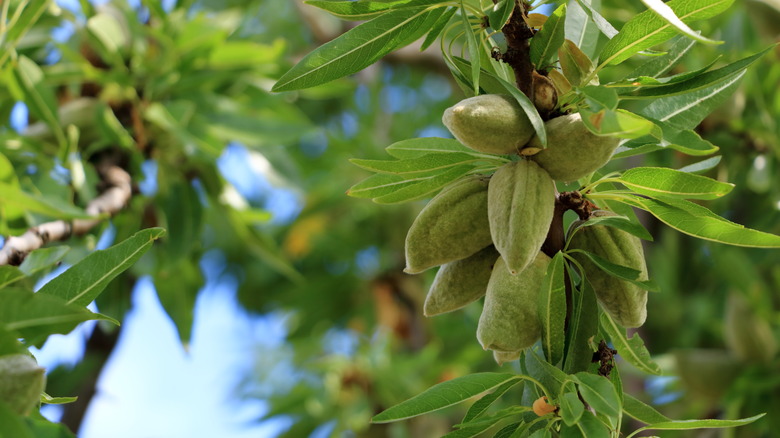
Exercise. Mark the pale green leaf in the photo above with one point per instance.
(686, 111)
(85, 280)
(660, 65)
(575, 64)
(438, 28)
(601, 23)
(364, 10)
(421, 164)
(37, 95)
(599, 393)
(647, 29)
(658, 181)
(552, 309)
(358, 48)
(443, 395)
(473, 46)
(424, 187)
(49, 400)
(48, 206)
(580, 28)
(416, 147)
(500, 13)
(665, 12)
(698, 221)
(632, 350)
(697, 424)
(640, 411)
(545, 43)
(618, 123)
(702, 166)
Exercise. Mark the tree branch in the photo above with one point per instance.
(111, 201)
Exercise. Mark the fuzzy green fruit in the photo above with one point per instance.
(572, 151)
(453, 226)
(509, 320)
(521, 202)
(490, 123)
(625, 302)
(460, 283)
(21, 382)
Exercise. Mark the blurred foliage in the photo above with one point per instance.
(185, 93)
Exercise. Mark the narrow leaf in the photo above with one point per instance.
(420, 164)
(686, 111)
(480, 406)
(668, 15)
(364, 10)
(619, 271)
(423, 188)
(631, 350)
(583, 326)
(38, 96)
(619, 123)
(571, 408)
(660, 65)
(356, 49)
(640, 411)
(500, 14)
(604, 26)
(437, 27)
(580, 28)
(599, 393)
(588, 427)
(416, 147)
(702, 166)
(698, 221)
(647, 29)
(552, 309)
(545, 43)
(699, 424)
(443, 395)
(657, 181)
(42, 258)
(529, 108)
(48, 206)
(473, 46)
(85, 280)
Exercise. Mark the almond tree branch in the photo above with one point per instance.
(111, 201)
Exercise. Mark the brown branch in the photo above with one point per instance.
(111, 201)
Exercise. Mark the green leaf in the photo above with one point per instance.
(632, 350)
(575, 64)
(663, 182)
(660, 65)
(686, 141)
(529, 109)
(698, 82)
(698, 221)
(437, 27)
(584, 325)
(639, 411)
(443, 395)
(488, 83)
(599, 393)
(85, 280)
(27, 19)
(473, 46)
(647, 29)
(358, 48)
(42, 258)
(619, 123)
(49, 400)
(13, 424)
(702, 166)
(697, 424)
(548, 375)
(588, 427)
(620, 222)
(35, 316)
(686, 111)
(427, 186)
(365, 10)
(668, 15)
(619, 271)
(48, 206)
(571, 408)
(508, 430)
(580, 28)
(481, 406)
(500, 14)
(37, 95)
(421, 164)
(552, 309)
(416, 147)
(599, 98)
(545, 43)
(603, 25)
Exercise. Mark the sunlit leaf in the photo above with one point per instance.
(657, 181)
(552, 309)
(632, 350)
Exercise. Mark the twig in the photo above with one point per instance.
(111, 201)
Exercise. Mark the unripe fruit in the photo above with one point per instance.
(748, 335)
(490, 123)
(542, 408)
(460, 283)
(625, 302)
(502, 357)
(572, 151)
(21, 382)
(521, 202)
(453, 226)
(509, 320)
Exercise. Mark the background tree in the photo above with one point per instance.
(140, 88)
